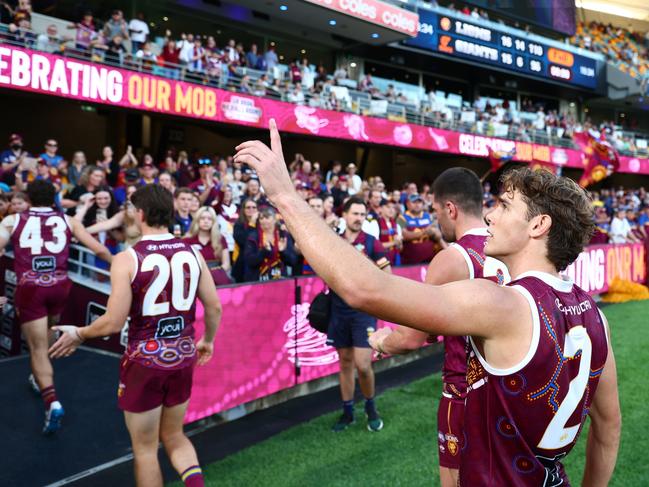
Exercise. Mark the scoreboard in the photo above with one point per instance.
(462, 38)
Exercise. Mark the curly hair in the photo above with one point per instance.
(567, 204)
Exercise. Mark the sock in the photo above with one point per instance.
(370, 407)
(49, 396)
(348, 408)
(193, 477)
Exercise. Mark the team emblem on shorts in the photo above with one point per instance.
(120, 389)
(452, 444)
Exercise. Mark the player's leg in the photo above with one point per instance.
(339, 336)
(179, 449)
(144, 429)
(37, 335)
(363, 326)
(450, 415)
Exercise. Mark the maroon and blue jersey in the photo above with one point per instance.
(161, 330)
(520, 422)
(41, 241)
(471, 247)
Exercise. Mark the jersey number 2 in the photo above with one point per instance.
(175, 268)
(557, 435)
(31, 238)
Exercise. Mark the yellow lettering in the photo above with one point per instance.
(198, 101)
(639, 271)
(148, 95)
(162, 98)
(183, 100)
(135, 90)
(626, 263)
(210, 104)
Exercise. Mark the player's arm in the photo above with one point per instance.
(116, 221)
(6, 227)
(447, 266)
(477, 307)
(112, 321)
(212, 306)
(82, 235)
(606, 423)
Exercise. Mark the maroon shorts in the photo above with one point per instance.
(33, 301)
(450, 431)
(144, 388)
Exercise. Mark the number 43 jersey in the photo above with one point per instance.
(40, 239)
(161, 331)
(520, 422)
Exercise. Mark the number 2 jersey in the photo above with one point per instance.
(520, 422)
(161, 331)
(40, 239)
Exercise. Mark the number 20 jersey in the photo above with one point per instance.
(40, 240)
(520, 422)
(161, 331)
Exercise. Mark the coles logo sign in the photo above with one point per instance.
(377, 12)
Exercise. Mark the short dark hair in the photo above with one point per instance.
(156, 203)
(564, 201)
(183, 190)
(41, 193)
(462, 187)
(354, 200)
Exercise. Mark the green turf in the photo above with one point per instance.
(404, 453)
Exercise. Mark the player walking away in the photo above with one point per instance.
(457, 201)
(40, 237)
(156, 282)
(349, 328)
(541, 360)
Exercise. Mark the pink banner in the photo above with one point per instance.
(376, 12)
(36, 72)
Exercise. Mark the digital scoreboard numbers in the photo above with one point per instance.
(457, 37)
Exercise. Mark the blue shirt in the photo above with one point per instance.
(52, 161)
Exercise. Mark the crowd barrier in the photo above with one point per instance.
(265, 344)
(36, 72)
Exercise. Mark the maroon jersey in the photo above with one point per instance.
(471, 247)
(41, 240)
(520, 422)
(161, 331)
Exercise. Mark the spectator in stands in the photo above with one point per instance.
(5, 205)
(50, 155)
(22, 11)
(139, 32)
(148, 171)
(22, 33)
(97, 208)
(146, 56)
(110, 165)
(260, 86)
(269, 250)
(51, 41)
(355, 181)
(419, 233)
(116, 51)
(90, 180)
(170, 55)
(252, 57)
(167, 182)
(116, 26)
(620, 228)
(12, 157)
(271, 58)
(204, 236)
(19, 202)
(207, 187)
(390, 233)
(196, 59)
(86, 32)
(253, 192)
(186, 46)
(244, 86)
(182, 221)
(296, 95)
(244, 226)
(295, 72)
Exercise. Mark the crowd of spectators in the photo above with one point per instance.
(626, 49)
(221, 207)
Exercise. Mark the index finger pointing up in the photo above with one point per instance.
(275, 139)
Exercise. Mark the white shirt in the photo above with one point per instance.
(620, 228)
(141, 27)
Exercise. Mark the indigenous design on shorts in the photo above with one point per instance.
(47, 279)
(163, 353)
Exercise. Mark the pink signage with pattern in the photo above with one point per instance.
(37, 72)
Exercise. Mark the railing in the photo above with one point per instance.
(82, 269)
(345, 98)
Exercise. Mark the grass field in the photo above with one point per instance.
(404, 453)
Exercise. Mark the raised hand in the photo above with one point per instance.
(205, 350)
(269, 164)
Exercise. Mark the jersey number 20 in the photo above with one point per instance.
(176, 270)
